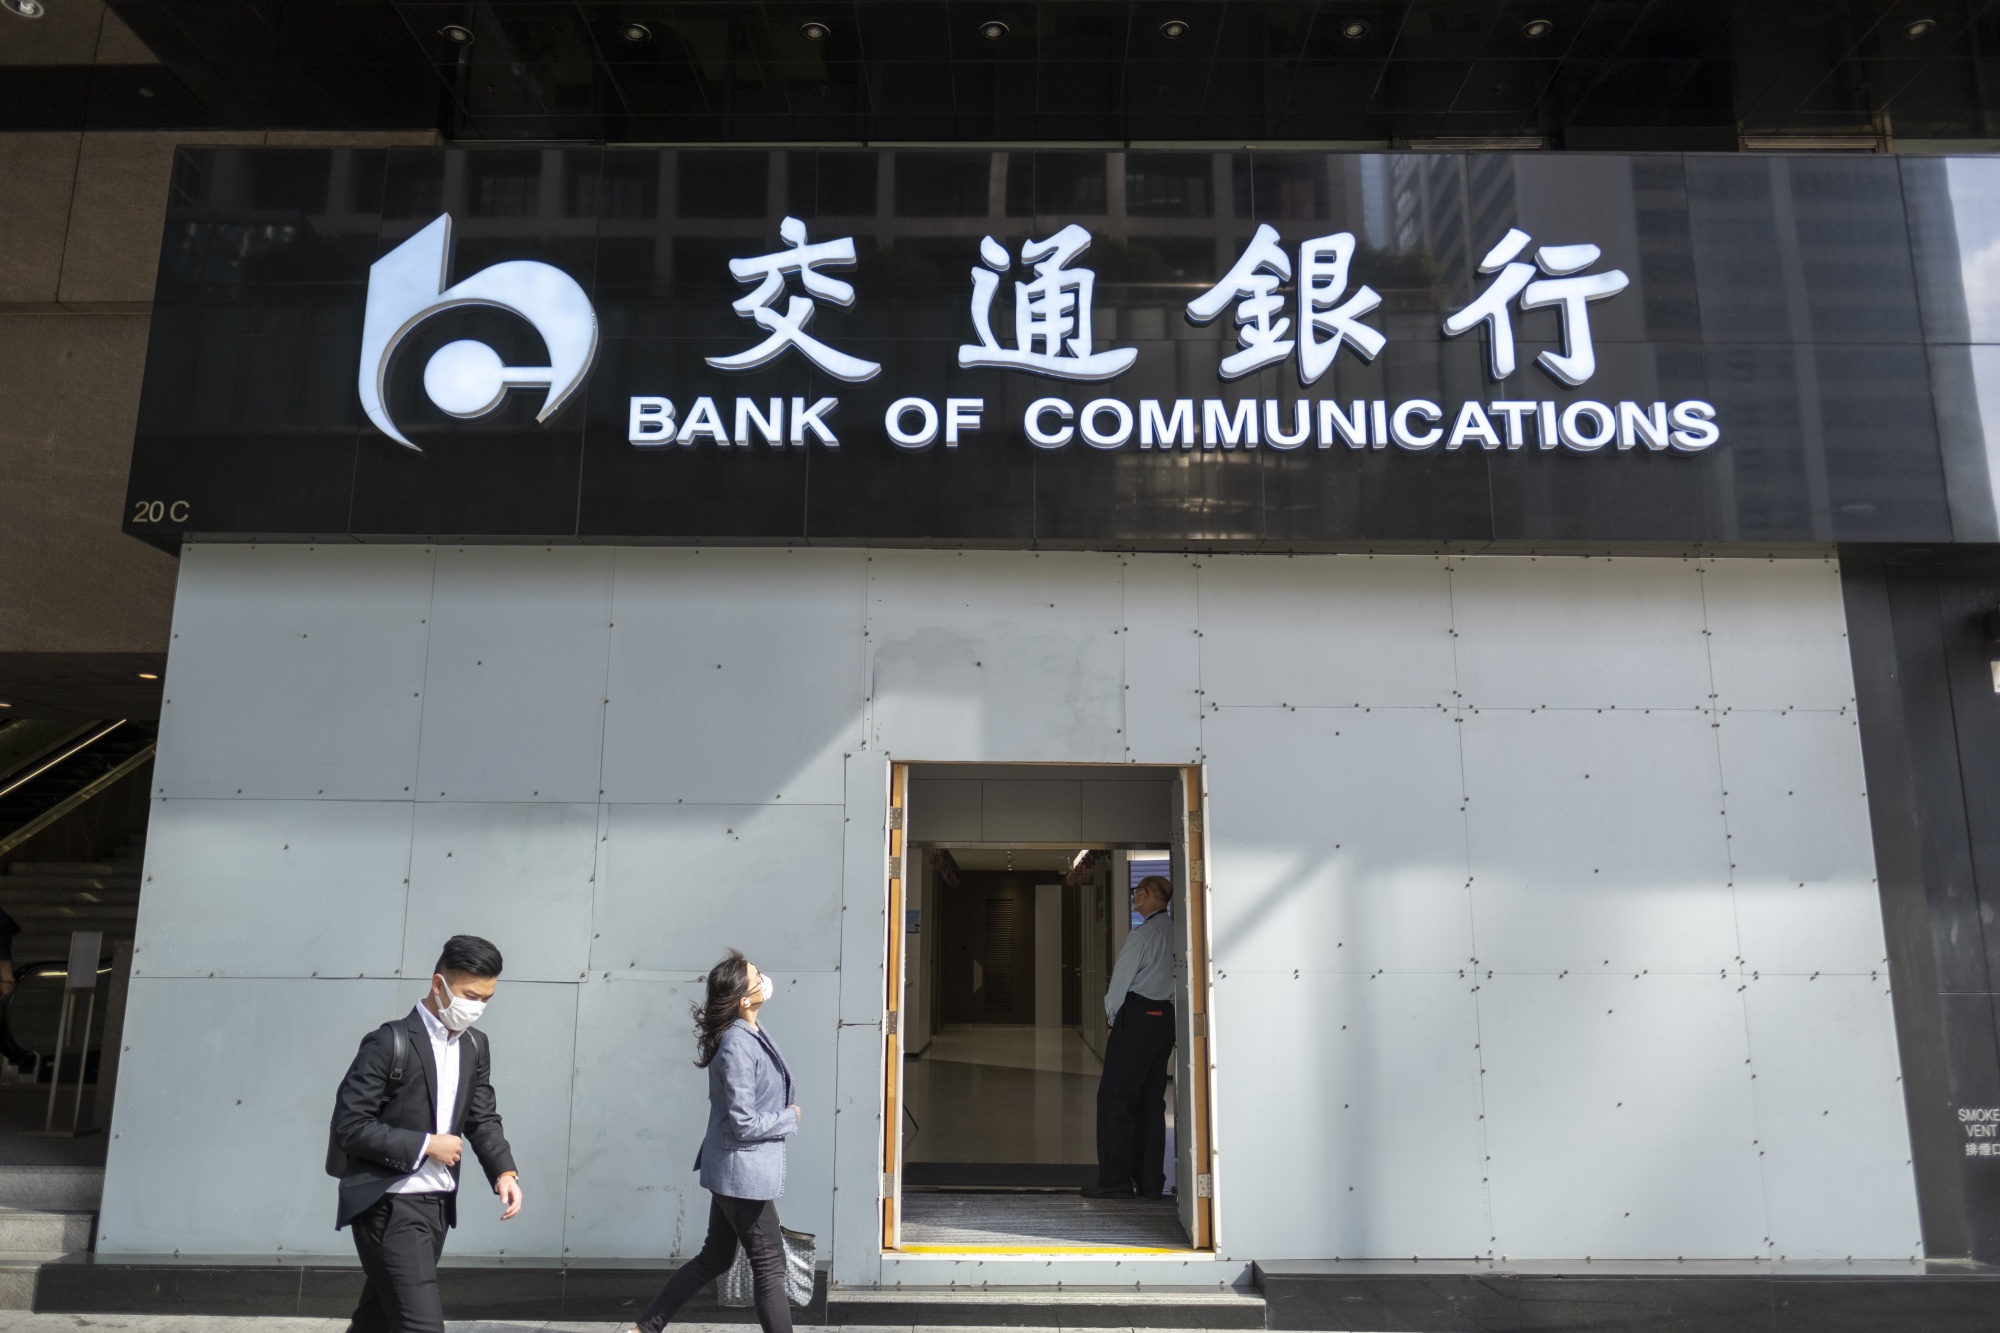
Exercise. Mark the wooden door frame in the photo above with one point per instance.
(1201, 990)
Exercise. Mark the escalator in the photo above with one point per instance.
(56, 767)
(49, 771)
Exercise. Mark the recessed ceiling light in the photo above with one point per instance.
(814, 32)
(993, 30)
(1919, 27)
(636, 32)
(456, 32)
(27, 9)
(1354, 29)
(1537, 28)
(148, 675)
(1173, 28)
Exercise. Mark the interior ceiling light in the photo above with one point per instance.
(1534, 28)
(993, 30)
(27, 9)
(814, 32)
(1079, 858)
(1173, 28)
(636, 32)
(1919, 27)
(149, 675)
(456, 32)
(1354, 29)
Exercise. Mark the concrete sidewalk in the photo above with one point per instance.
(23, 1321)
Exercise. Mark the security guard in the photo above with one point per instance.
(1131, 1093)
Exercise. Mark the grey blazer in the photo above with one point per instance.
(749, 1117)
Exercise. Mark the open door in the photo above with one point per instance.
(1193, 1178)
(892, 1017)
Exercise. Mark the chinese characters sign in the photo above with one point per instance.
(1054, 311)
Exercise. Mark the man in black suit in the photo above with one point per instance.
(417, 1090)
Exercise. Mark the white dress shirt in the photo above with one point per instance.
(1145, 965)
(427, 1174)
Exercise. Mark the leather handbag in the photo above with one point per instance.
(737, 1289)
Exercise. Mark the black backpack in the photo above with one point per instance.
(337, 1161)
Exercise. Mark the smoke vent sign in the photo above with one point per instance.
(1053, 295)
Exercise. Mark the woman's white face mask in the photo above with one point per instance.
(764, 988)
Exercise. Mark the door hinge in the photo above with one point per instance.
(1204, 1186)
(895, 816)
(1194, 825)
(896, 867)
(888, 1184)
(892, 1023)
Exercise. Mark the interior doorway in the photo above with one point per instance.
(1011, 888)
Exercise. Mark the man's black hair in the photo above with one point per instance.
(468, 955)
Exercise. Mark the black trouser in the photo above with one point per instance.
(399, 1240)
(754, 1222)
(1132, 1097)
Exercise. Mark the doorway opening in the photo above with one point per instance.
(1011, 896)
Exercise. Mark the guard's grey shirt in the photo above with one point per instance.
(1145, 964)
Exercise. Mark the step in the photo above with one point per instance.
(19, 884)
(72, 868)
(17, 1278)
(52, 1188)
(37, 1231)
(1047, 1307)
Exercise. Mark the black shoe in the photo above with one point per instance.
(1107, 1191)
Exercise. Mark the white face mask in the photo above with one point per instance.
(461, 1013)
(764, 988)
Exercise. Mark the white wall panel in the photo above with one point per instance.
(1385, 1072)
(296, 671)
(533, 1030)
(736, 676)
(1619, 1117)
(1597, 842)
(514, 682)
(1573, 633)
(684, 883)
(1778, 634)
(1337, 840)
(1799, 843)
(1125, 812)
(946, 809)
(1162, 660)
(756, 700)
(1044, 809)
(1831, 1120)
(997, 656)
(1333, 631)
(641, 1108)
(274, 888)
(519, 874)
(225, 1091)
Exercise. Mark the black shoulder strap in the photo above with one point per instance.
(399, 1056)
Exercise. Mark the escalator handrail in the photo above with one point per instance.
(46, 765)
(37, 755)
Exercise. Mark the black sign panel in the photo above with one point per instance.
(1285, 350)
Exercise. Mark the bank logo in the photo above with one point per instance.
(466, 378)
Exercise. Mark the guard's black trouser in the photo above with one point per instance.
(399, 1240)
(1132, 1097)
(754, 1224)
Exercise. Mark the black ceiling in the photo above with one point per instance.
(1579, 73)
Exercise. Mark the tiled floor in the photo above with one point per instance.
(1002, 1094)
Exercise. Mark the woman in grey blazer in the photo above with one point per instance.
(742, 1157)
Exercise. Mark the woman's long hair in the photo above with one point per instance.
(728, 983)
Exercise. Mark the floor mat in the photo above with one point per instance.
(1028, 1221)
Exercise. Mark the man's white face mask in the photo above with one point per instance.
(462, 1012)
